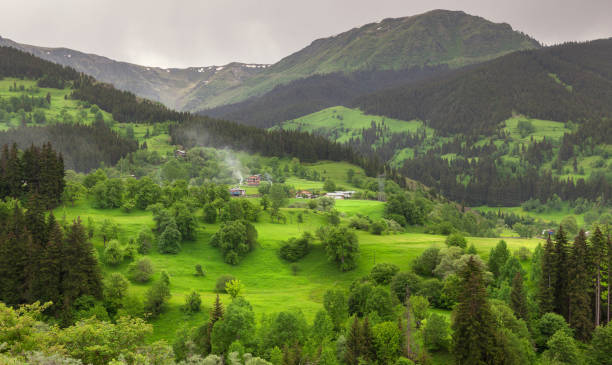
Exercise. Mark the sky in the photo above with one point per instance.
(184, 33)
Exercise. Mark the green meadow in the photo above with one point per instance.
(271, 284)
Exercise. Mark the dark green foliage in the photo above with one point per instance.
(235, 239)
(210, 213)
(457, 240)
(518, 298)
(141, 270)
(193, 302)
(38, 171)
(473, 323)
(144, 241)
(426, 262)
(602, 344)
(82, 147)
(342, 247)
(198, 270)
(14, 63)
(222, 281)
(579, 289)
(404, 211)
(237, 322)
(547, 283)
(156, 297)
(404, 283)
(562, 349)
(498, 257)
(296, 248)
(335, 304)
(435, 333)
(170, 239)
(383, 273)
(365, 299)
(547, 326)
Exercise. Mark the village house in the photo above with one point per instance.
(180, 153)
(303, 194)
(341, 194)
(253, 180)
(237, 192)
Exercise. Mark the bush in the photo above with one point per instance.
(295, 248)
(193, 302)
(235, 239)
(198, 270)
(144, 241)
(435, 333)
(383, 273)
(378, 227)
(113, 253)
(141, 270)
(426, 262)
(405, 280)
(456, 239)
(222, 281)
(360, 223)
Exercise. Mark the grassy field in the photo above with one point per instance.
(341, 124)
(60, 105)
(554, 216)
(271, 284)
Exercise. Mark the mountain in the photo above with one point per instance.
(438, 37)
(313, 93)
(571, 82)
(170, 86)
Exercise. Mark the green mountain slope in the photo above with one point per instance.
(437, 37)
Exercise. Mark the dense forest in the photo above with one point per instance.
(572, 81)
(311, 94)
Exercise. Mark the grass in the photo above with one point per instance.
(341, 124)
(554, 216)
(542, 128)
(60, 105)
(270, 282)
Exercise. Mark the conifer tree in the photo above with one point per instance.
(547, 284)
(14, 256)
(368, 351)
(354, 343)
(49, 283)
(561, 274)
(473, 323)
(215, 315)
(598, 252)
(518, 299)
(580, 310)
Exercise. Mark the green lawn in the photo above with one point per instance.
(543, 128)
(269, 281)
(554, 216)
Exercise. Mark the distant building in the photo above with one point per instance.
(253, 180)
(341, 194)
(180, 153)
(237, 192)
(303, 194)
(548, 232)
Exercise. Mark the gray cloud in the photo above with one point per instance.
(196, 33)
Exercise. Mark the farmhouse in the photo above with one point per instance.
(237, 192)
(180, 153)
(253, 180)
(341, 194)
(303, 194)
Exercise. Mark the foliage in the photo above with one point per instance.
(193, 302)
(435, 333)
(235, 239)
(457, 240)
(141, 270)
(234, 288)
(383, 273)
(113, 253)
(342, 247)
(296, 248)
(426, 262)
(222, 282)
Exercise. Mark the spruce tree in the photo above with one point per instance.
(518, 299)
(598, 253)
(547, 284)
(561, 274)
(580, 311)
(215, 315)
(354, 343)
(368, 351)
(473, 322)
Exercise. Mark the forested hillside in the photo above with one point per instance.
(570, 82)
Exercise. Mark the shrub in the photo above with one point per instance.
(295, 248)
(426, 262)
(222, 281)
(360, 223)
(235, 239)
(234, 288)
(456, 239)
(383, 273)
(435, 333)
(113, 253)
(198, 270)
(170, 240)
(405, 280)
(141, 270)
(144, 241)
(193, 302)
(378, 227)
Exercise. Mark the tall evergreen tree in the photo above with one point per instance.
(561, 274)
(580, 310)
(598, 253)
(354, 343)
(473, 322)
(48, 286)
(518, 299)
(368, 351)
(14, 258)
(547, 284)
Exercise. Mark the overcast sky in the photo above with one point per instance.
(183, 33)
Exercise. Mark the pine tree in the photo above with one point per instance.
(354, 343)
(14, 256)
(518, 299)
(546, 293)
(561, 274)
(598, 253)
(580, 310)
(215, 315)
(473, 322)
(368, 351)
